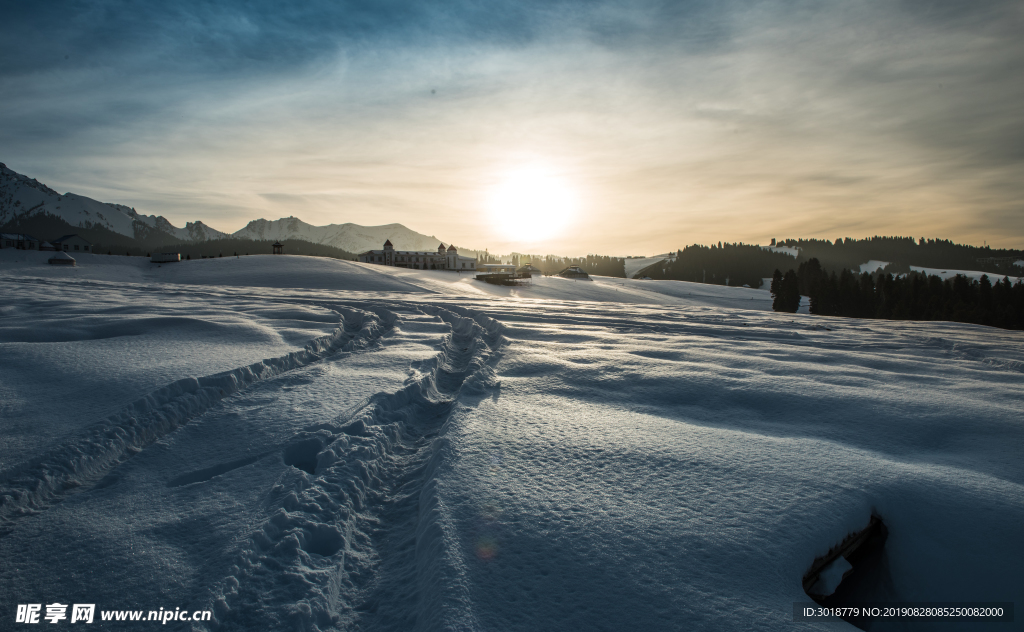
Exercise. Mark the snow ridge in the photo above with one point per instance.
(21, 197)
(30, 487)
(358, 519)
(966, 351)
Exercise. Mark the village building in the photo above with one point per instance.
(19, 241)
(73, 243)
(443, 259)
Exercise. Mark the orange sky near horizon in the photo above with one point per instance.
(568, 129)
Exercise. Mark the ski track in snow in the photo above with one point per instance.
(366, 483)
(359, 482)
(635, 466)
(30, 487)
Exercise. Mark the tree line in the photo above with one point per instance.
(911, 296)
(592, 264)
(902, 252)
(553, 264)
(736, 264)
(745, 264)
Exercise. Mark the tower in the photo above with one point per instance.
(452, 260)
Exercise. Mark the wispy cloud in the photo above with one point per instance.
(676, 122)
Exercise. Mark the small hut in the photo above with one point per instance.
(62, 259)
(278, 248)
(500, 274)
(574, 272)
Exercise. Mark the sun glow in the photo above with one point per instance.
(532, 204)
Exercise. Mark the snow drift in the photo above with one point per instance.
(451, 455)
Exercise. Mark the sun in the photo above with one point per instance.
(532, 204)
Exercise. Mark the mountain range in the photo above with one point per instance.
(27, 205)
(350, 237)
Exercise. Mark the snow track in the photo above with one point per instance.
(638, 466)
(29, 487)
(357, 519)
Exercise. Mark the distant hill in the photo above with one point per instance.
(29, 206)
(746, 264)
(350, 237)
(903, 252)
(23, 199)
(724, 264)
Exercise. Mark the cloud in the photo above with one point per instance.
(705, 120)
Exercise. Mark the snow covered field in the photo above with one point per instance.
(300, 444)
(971, 274)
(873, 266)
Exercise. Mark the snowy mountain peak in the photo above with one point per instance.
(22, 197)
(8, 176)
(198, 231)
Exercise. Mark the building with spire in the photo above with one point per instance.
(443, 259)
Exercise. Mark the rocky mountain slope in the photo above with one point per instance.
(30, 206)
(23, 198)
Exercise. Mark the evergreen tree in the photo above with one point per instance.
(791, 292)
(776, 291)
(785, 291)
(810, 274)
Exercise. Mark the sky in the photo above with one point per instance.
(568, 127)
